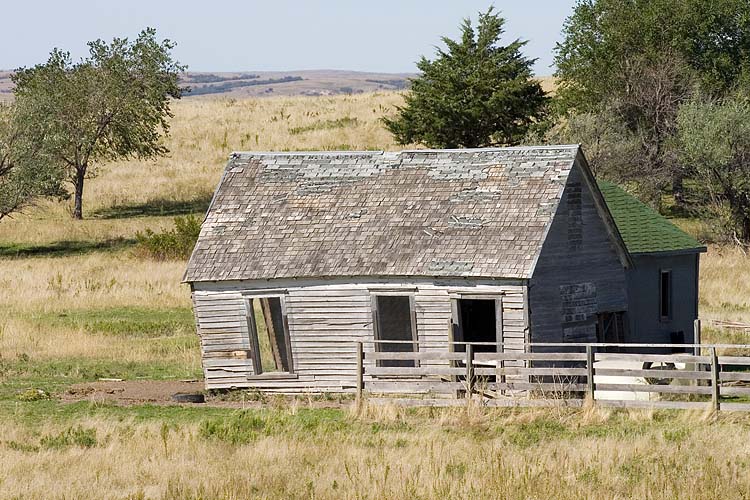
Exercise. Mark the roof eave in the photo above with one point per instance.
(364, 276)
(681, 251)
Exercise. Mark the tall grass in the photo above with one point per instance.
(299, 453)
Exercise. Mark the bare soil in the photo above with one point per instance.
(129, 392)
(160, 392)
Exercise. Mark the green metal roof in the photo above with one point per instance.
(643, 229)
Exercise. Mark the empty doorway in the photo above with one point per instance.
(475, 320)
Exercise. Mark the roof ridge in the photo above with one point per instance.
(547, 147)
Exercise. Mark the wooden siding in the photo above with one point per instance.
(225, 342)
(578, 273)
(325, 320)
(643, 297)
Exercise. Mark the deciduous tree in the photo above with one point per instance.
(641, 60)
(112, 105)
(714, 137)
(26, 172)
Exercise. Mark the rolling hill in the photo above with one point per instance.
(271, 83)
(282, 83)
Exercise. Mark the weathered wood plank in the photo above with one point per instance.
(665, 358)
(541, 371)
(734, 360)
(673, 374)
(733, 376)
(734, 391)
(412, 386)
(537, 386)
(422, 355)
(662, 389)
(531, 356)
(411, 372)
(735, 406)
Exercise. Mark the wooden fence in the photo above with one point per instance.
(686, 376)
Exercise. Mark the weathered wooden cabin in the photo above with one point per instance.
(302, 254)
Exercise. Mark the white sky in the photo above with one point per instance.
(225, 35)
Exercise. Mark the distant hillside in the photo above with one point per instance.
(284, 83)
(287, 83)
(269, 83)
(5, 85)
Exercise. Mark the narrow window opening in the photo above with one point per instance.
(610, 328)
(269, 336)
(395, 321)
(665, 295)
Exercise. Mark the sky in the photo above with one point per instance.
(275, 35)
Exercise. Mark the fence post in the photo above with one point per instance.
(360, 371)
(469, 370)
(715, 388)
(697, 337)
(590, 373)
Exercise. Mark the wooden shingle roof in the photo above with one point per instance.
(436, 213)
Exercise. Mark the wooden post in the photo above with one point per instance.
(715, 388)
(469, 370)
(360, 371)
(500, 339)
(590, 373)
(697, 337)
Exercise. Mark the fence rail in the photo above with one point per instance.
(708, 376)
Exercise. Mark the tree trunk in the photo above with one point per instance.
(745, 236)
(678, 190)
(80, 176)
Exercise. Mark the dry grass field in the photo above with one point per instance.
(77, 304)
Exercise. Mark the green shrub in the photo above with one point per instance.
(33, 395)
(241, 428)
(73, 436)
(247, 426)
(172, 244)
(344, 122)
(529, 434)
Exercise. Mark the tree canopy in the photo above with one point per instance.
(476, 93)
(714, 137)
(112, 105)
(26, 172)
(631, 65)
(602, 39)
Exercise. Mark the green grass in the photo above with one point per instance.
(64, 248)
(156, 208)
(344, 122)
(240, 427)
(124, 321)
(19, 375)
(246, 426)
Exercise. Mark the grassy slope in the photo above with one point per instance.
(76, 305)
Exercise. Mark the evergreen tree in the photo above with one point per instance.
(476, 93)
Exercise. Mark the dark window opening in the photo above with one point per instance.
(269, 336)
(610, 327)
(665, 295)
(394, 320)
(476, 323)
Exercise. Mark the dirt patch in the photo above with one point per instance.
(130, 391)
(159, 392)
